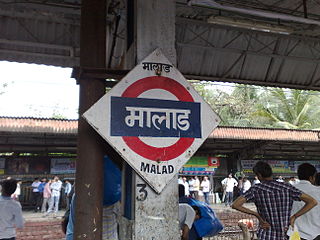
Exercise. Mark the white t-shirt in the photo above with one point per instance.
(196, 185)
(56, 188)
(308, 224)
(186, 188)
(205, 186)
(186, 215)
(246, 186)
(256, 181)
(10, 217)
(191, 184)
(230, 183)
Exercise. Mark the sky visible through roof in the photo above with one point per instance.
(37, 91)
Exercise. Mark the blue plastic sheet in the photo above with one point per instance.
(112, 182)
(208, 225)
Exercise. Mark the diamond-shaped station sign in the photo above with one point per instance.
(154, 119)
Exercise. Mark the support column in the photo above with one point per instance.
(89, 174)
(156, 215)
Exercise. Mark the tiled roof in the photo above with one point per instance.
(41, 125)
(38, 125)
(265, 134)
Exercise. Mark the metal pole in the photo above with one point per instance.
(305, 9)
(89, 175)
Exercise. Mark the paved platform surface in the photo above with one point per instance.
(32, 216)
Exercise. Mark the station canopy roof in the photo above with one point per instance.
(32, 135)
(269, 42)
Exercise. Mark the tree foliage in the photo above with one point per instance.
(250, 106)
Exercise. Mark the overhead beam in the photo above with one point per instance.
(247, 52)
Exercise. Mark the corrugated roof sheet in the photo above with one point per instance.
(40, 125)
(265, 134)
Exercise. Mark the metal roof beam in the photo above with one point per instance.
(188, 21)
(238, 51)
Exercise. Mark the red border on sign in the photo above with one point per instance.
(138, 146)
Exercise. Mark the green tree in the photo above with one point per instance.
(290, 109)
(234, 107)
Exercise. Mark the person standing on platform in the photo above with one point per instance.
(46, 196)
(55, 195)
(274, 202)
(191, 187)
(36, 194)
(10, 211)
(17, 193)
(196, 187)
(186, 186)
(205, 186)
(308, 224)
(67, 190)
(246, 185)
(229, 183)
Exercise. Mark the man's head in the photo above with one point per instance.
(43, 180)
(36, 179)
(9, 186)
(306, 171)
(56, 178)
(205, 178)
(262, 170)
(230, 175)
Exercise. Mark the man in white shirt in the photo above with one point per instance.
(196, 187)
(246, 184)
(55, 195)
(229, 183)
(308, 224)
(186, 186)
(191, 187)
(205, 186)
(186, 218)
(10, 211)
(36, 196)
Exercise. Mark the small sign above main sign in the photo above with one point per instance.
(154, 119)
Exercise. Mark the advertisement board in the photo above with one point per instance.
(63, 165)
(278, 166)
(27, 166)
(201, 166)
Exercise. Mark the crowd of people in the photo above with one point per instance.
(46, 194)
(281, 203)
(284, 205)
(193, 187)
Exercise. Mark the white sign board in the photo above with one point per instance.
(154, 118)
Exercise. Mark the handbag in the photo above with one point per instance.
(208, 225)
(294, 234)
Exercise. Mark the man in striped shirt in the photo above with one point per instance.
(274, 202)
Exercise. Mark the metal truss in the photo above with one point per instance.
(277, 49)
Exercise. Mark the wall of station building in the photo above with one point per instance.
(26, 166)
